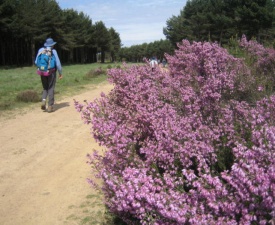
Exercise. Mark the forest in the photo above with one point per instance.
(25, 24)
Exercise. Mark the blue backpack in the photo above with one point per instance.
(46, 62)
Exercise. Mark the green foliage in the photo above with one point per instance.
(233, 48)
(115, 44)
(26, 24)
(175, 30)
(102, 38)
(136, 53)
(89, 212)
(15, 81)
(208, 20)
(112, 219)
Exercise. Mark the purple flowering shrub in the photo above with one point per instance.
(182, 146)
(262, 63)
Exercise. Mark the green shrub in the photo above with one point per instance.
(95, 72)
(28, 96)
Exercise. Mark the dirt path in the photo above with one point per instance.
(43, 166)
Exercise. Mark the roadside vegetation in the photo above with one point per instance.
(21, 87)
(192, 145)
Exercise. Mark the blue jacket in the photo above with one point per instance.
(58, 63)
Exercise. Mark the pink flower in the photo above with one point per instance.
(260, 88)
(194, 146)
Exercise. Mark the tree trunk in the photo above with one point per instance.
(3, 50)
(33, 53)
(102, 56)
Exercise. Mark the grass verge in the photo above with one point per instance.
(15, 82)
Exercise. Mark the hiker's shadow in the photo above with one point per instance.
(61, 105)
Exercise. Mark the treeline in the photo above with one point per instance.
(25, 24)
(220, 20)
(215, 21)
(137, 53)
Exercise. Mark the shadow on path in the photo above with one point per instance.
(61, 105)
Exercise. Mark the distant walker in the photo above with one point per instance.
(153, 64)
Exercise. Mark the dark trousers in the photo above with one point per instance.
(48, 83)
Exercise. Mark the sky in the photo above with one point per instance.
(136, 21)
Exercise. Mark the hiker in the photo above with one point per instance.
(163, 62)
(49, 80)
(153, 63)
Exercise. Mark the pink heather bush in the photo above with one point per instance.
(183, 147)
(262, 62)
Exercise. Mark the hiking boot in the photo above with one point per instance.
(50, 109)
(43, 105)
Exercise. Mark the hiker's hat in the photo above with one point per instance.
(49, 42)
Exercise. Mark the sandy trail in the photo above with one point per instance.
(43, 166)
